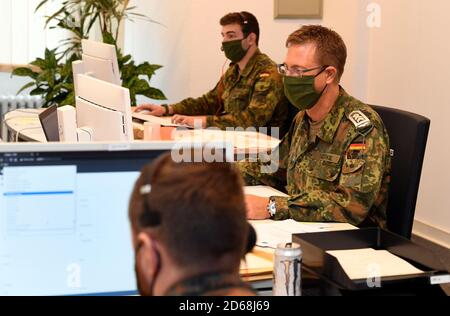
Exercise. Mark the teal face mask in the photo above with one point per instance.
(300, 91)
(233, 50)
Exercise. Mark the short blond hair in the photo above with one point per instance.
(331, 49)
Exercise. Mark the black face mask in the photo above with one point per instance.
(234, 51)
(301, 91)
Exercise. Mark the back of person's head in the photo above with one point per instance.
(330, 48)
(248, 22)
(195, 210)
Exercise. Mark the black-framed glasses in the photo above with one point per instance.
(284, 70)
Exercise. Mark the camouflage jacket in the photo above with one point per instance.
(215, 284)
(252, 98)
(341, 176)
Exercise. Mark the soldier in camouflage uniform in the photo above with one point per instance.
(189, 229)
(335, 161)
(249, 94)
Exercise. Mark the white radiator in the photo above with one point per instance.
(12, 102)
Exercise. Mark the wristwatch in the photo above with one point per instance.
(272, 208)
(166, 109)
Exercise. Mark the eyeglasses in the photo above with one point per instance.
(297, 72)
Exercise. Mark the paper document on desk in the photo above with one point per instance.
(239, 139)
(263, 191)
(163, 121)
(271, 233)
(254, 140)
(368, 263)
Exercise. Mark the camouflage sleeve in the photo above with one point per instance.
(267, 94)
(359, 184)
(207, 104)
(269, 169)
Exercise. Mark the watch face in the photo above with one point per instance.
(272, 208)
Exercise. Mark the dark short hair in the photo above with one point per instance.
(196, 210)
(247, 21)
(331, 49)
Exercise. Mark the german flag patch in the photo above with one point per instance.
(357, 147)
(355, 150)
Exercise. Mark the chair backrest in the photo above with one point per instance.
(408, 133)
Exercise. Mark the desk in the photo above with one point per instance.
(26, 123)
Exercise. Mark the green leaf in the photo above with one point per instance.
(147, 69)
(141, 86)
(69, 100)
(40, 5)
(50, 78)
(42, 77)
(39, 62)
(24, 72)
(125, 59)
(53, 95)
(37, 91)
(50, 58)
(130, 84)
(154, 94)
(108, 38)
(25, 87)
(55, 15)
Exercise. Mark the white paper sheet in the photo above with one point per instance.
(163, 121)
(263, 191)
(240, 140)
(369, 263)
(271, 233)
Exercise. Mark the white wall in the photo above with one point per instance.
(22, 30)
(403, 64)
(188, 45)
(23, 37)
(409, 66)
(167, 43)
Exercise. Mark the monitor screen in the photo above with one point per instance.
(64, 227)
(49, 122)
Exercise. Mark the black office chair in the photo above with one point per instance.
(408, 133)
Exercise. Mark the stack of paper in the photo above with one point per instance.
(370, 263)
(271, 233)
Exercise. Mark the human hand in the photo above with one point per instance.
(257, 207)
(191, 121)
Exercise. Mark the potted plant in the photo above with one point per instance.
(53, 79)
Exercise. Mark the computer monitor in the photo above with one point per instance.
(64, 227)
(100, 61)
(49, 122)
(103, 110)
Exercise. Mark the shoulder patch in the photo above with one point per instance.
(361, 122)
